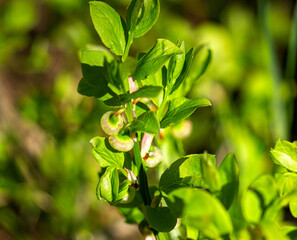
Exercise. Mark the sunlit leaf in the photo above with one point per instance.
(185, 171)
(201, 210)
(181, 108)
(160, 218)
(228, 171)
(108, 25)
(105, 154)
(146, 123)
(285, 154)
(141, 16)
(152, 61)
(108, 186)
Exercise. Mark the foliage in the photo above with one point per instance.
(193, 198)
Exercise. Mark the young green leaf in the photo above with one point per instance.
(286, 183)
(181, 108)
(132, 14)
(94, 83)
(140, 108)
(113, 76)
(108, 25)
(108, 186)
(251, 207)
(285, 154)
(265, 186)
(160, 218)
(201, 210)
(175, 65)
(144, 92)
(95, 57)
(228, 171)
(185, 171)
(146, 123)
(184, 71)
(201, 60)
(141, 16)
(210, 173)
(152, 61)
(105, 155)
(293, 206)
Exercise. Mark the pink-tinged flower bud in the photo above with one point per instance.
(121, 142)
(146, 143)
(130, 176)
(112, 123)
(183, 129)
(154, 158)
(132, 85)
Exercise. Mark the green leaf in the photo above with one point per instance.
(105, 155)
(146, 122)
(201, 60)
(125, 70)
(132, 13)
(142, 15)
(153, 61)
(113, 76)
(140, 108)
(181, 108)
(144, 92)
(160, 218)
(251, 207)
(200, 210)
(286, 183)
(175, 65)
(228, 171)
(123, 190)
(108, 25)
(285, 154)
(108, 186)
(95, 57)
(94, 83)
(266, 188)
(183, 172)
(210, 173)
(293, 206)
(185, 70)
(132, 215)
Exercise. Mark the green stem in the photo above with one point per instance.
(291, 66)
(129, 43)
(279, 118)
(292, 48)
(163, 104)
(143, 184)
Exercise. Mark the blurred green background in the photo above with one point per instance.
(47, 174)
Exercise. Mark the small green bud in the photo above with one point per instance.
(129, 197)
(112, 123)
(121, 142)
(108, 185)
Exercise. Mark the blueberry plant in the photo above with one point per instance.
(188, 197)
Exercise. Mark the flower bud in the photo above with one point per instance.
(154, 158)
(121, 142)
(183, 129)
(112, 123)
(129, 197)
(108, 185)
(146, 143)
